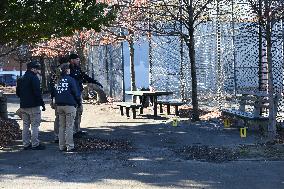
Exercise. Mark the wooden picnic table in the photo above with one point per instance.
(153, 94)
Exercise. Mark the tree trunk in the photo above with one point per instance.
(182, 76)
(150, 61)
(107, 66)
(122, 70)
(260, 65)
(43, 76)
(272, 109)
(83, 60)
(111, 74)
(132, 66)
(191, 49)
(3, 106)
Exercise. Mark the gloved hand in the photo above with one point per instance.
(52, 105)
(43, 108)
(100, 85)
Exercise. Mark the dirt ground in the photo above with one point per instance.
(158, 155)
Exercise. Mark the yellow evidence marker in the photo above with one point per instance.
(175, 121)
(243, 132)
(227, 123)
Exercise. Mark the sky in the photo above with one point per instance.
(141, 65)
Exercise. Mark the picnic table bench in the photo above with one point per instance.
(153, 94)
(169, 103)
(128, 106)
(257, 100)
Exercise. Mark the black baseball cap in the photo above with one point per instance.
(34, 64)
(73, 56)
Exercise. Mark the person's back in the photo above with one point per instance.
(28, 90)
(66, 92)
(67, 98)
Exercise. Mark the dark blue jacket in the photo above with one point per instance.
(66, 92)
(28, 90)
(81, 77)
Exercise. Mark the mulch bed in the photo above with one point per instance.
(206, 115)
(267, 151)
(186, 112)
(208, 153)
(9, 131)
(94, 144)
(220, 154)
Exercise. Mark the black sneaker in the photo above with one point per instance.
(28, 147)
(71, 150)
(80, 134)
(39, 147)
(83, 132)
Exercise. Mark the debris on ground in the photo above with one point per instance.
(267, 151)
(211, 115)
(204, 114)
(9, 131)
(185, 111)
(93, 144)
(208, 153)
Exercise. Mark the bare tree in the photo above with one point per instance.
(269, 13)
(180, 18)
(131, 17)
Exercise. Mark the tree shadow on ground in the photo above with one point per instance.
(151, 160)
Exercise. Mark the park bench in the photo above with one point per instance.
(169, 103)
(258, 101)
(128, 106)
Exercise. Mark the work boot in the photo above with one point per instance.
(70, 150)
(29, 147)
(79, 134)
(39, 147)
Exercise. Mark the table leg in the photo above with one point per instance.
(134, 113)
(176, 110)
(127, 112)
(121, 110)
(168, 109)
(141, 110)
(161, 108)
(143, 101)
(155, 105)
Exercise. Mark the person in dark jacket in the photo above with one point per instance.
(67, 99)
(80, 77)
(29, 92)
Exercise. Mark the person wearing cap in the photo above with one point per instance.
(80, 77)
(67, 99)
(29, 92)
